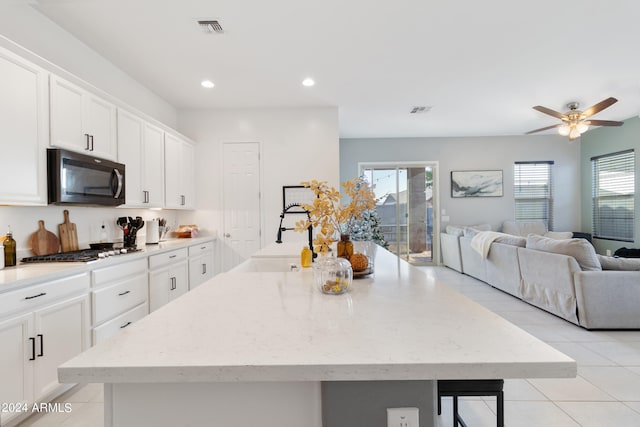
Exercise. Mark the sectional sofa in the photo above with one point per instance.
(556, 273)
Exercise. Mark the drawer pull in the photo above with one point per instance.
(172, 256)
(204, 268)
(173, 283)
(36, 296)
(123, 293)
(125, 325)
(41, 345)
(203, 248)
(33, 348)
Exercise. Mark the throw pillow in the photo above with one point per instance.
(559, 235)
(580, 249)
(615, 263)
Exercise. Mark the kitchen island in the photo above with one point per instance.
(269, 349)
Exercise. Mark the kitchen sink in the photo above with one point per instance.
(266, 265)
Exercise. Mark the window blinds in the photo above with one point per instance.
(533, 192)
(613, 192)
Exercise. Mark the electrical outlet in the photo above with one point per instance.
(402, 417)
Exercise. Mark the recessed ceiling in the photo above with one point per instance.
(481, 66)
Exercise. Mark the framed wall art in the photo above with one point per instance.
(476, 183)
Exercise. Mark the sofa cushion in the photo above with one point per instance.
(509, 239)
(615, 263)
(472, 230)
(579, 249)
(524, 228)
(559, 235)
(455, 230)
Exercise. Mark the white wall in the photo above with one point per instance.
(296, 145)
(22, 26)
(479, 153)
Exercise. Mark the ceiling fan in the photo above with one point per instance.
(574, 122)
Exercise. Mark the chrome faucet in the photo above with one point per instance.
(309, 229)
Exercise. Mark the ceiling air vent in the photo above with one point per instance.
(211, 26)
(420, 110)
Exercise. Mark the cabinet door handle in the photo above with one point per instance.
(173, 283)
(86, 135)
(33, 348)
(41, 345)
(41, 294)
(125, 325)
(91, 142)
(204, 268)
(182, 200)
(123, 293)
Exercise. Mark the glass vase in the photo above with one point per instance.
(345, 247)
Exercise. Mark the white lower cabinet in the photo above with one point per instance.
(168, 277)
(119, 297)
(62, 332)
(48, 325)
(16, 366)
(44, 325)
(201, 264)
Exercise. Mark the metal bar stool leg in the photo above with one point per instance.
(500, 408)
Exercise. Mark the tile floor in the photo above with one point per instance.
(606, 391)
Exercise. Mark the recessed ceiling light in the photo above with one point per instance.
(308, 82)
(207, 83)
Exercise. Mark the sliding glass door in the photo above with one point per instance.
(406, 202)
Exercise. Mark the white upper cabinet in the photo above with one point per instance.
(153, 170)
(130, 153)
(24, 131)
(81, 121)
(141, 149)
(179, 173)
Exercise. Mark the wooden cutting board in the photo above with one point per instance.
(68, 234)
(44, 242)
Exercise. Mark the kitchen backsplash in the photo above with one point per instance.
(23, 221)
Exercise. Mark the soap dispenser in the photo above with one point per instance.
(306, 257)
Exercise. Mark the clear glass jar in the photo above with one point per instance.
(333, 275)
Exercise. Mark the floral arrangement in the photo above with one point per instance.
(329, 217)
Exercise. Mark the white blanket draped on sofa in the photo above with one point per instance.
(481, 242)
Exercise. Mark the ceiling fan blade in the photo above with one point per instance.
(599, 107)
(544, 128)
(603, 123)
(550, 112)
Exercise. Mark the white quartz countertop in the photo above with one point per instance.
(22, 275)
(399, 325)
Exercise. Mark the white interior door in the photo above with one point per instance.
(241, 183)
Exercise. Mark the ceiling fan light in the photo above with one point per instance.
(583, 127)
(564, 130)
(574, 133)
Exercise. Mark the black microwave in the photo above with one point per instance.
(75, 178)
